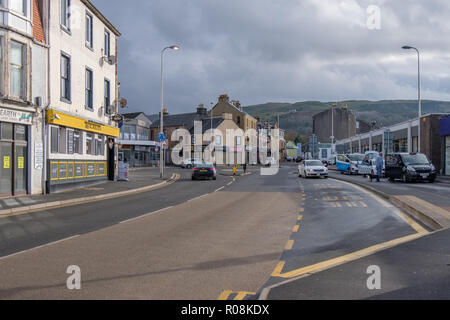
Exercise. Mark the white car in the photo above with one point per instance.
(190, 163)
(312, 168)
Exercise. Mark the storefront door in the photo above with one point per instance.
(6, 171)
(20, 167)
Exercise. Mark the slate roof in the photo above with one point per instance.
(183, 119)
(206, 124)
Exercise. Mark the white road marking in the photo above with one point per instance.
(219, 189)
(196, 198)
(145, 215)
(38, 247)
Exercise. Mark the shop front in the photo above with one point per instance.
(15, 132)
(80, 151)
(445, 134)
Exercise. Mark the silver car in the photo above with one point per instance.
(312, 168)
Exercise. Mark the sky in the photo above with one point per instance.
(260, 51)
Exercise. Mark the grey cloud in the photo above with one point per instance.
(274, 50)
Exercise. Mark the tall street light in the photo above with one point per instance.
(161, 125)
(419, 85)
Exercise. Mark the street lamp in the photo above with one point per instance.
(161, 131)
(419, 85)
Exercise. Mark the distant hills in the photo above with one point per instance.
(297, 117)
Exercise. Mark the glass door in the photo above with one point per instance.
(6, 170)
(20, 167)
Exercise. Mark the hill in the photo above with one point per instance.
(296, 118)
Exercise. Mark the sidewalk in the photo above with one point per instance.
(139, 180)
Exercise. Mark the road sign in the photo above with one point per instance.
(161, 137)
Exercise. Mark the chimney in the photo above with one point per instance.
(165, 113)
(201, 110)
(224, 98)
(227, 116)
(236, 103)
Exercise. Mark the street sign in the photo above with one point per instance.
(161, 137)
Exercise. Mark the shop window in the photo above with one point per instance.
(6, 131)
(21, 132)
(57, 140)
(99, 145)
(78, 142)
(89, 144)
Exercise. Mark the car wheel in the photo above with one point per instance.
(189, 166)
(432, 180)
(391, 179)
(405, 178)
(193, 178)
(215, 178)
(342, 172)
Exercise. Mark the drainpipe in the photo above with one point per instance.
(44, 110)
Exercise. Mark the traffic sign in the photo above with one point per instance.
(161, 137)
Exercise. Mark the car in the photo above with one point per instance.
(368, 166)
(190, 163)
(312, 168)
(325, 163)
(409, 167)
(348, 163)
(204, 170)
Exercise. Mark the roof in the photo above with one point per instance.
(236, 108)
(183, 119)
(102, 18)
(206, 124)
(133, 115)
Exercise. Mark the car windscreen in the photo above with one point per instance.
(204, 165)
(415, 159)
(356, 157)
(316, 163)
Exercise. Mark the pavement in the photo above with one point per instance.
(223, 239)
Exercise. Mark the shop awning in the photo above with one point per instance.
(70, 121)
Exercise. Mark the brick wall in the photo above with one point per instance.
(38, 29)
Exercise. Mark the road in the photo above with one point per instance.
(194, 239)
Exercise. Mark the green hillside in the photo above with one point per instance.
(296, 118)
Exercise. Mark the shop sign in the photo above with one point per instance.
(6, 162)
(7, 115)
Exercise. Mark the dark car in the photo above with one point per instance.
(409, 167)
(204, 171)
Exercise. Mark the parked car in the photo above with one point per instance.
(409, 167)
(190, 163)
(205, 171)
(312, 168)
(368, 165)
(348, 163)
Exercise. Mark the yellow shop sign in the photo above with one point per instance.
(67, 120)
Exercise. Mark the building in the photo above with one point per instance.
(224, 150)
(23, 90)
(134, 143)
(343, 128)
(83, 89)
(401, 137)
(445, 134)
(173, 123)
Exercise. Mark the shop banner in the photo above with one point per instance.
(8, 115)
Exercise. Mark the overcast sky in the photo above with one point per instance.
(260, 51)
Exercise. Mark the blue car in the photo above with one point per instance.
(348, 163)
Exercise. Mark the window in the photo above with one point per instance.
(65, 14)
(89, 31)
(89, 89)
(18, 6)
(57, 139)
(107, 96)
(89, 144)
(218, 140)
(16, 61)
(78, 142)
(99, 145)
(238, 141)
(65, 78)
(107, 45)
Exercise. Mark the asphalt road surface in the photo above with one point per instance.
(193, 239)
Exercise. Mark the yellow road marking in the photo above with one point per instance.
(338, 204)
(302, 209)
(224, 295)
(242, 294)
(345, 198)
(343, 259)
(349, 204)
(363, 204)
(278, 269)
(300, 218)
(296, 228)
(289, 245)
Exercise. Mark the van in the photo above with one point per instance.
(409, 167)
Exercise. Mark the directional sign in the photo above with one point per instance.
(161, 137)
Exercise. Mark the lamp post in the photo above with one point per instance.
(161, 124)
(418, 85)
